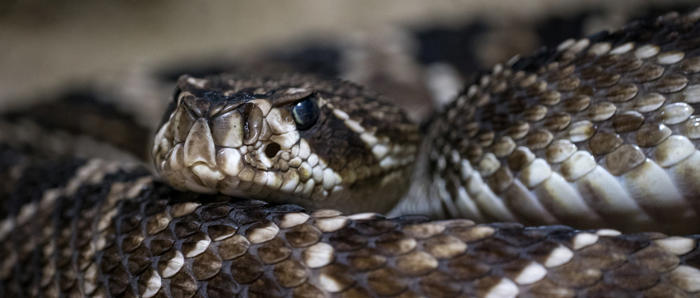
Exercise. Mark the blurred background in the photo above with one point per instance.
(45, 45)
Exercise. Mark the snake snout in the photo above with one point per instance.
(200, 154)
(211, 143)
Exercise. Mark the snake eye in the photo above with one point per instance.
(305, 113)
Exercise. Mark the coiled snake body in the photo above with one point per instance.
(599, 132)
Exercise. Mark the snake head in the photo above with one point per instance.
(288, 138)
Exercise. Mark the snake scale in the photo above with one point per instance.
(597, 133)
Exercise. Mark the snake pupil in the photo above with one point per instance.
(305, 113)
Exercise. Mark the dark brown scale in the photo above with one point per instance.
(386, 281)
(220, 231)
(273, 251)
(474, 152)
(550, 97)
(183, 285)
(440, 284)
(482, 285)
(560, 73)
(654, 258)
(518, 130)
(500, 180)
(395, 244)
(648, 72)
(307, 290)
(663, 290)
(191, 242)
(138, 261)
(577, 103)
(652, 134)
(535, 113)
(627, 121)
(187, 226)
(233, 247)
(627, 64)
(605, 80)
(518, 159)
(549, 289)
(416, 264)
(601, 111)
(349, 239)
(290, 273)
(366, 259)
(621, 92)
(486, 138)
(649, 102)
(604, 142)
(691, 65)
(568, 84)
(118, 281)
(493, 251)
(303, 236)
(503, 146)
(539, 139)
(206, 265)
(591, 72)
(623, 159)
(536, 89)
(608, 60)
(558, 121)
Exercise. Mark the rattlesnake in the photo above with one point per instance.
(593, 133)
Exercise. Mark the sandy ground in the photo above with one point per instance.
(44, 44)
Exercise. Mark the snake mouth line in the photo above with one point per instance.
(235, 170)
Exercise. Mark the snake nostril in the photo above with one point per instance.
(272, 149)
